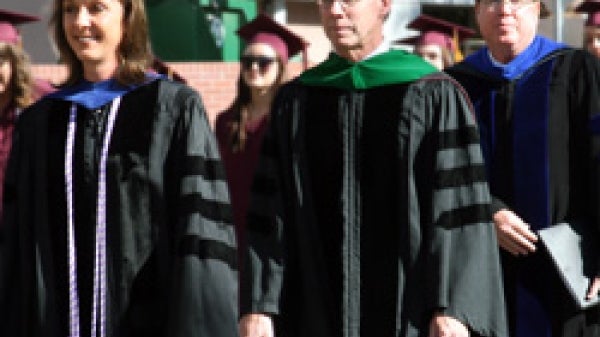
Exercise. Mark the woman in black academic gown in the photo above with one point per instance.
(117, 216)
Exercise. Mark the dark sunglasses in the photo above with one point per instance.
(263, 62)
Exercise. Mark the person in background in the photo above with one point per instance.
(538, 109)
(439, 40)
(117, 219)
(9, 33)
(240, 129)
(17, 87)
(591, 33)
(369, 210)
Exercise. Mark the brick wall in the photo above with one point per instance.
(216, 81)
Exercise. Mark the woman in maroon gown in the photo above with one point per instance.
(241, 127)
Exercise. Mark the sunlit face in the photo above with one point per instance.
(260, 68)
(432, 53)
(94, 30)
(354, 26)
(5, 75)
(592, 40)
(508, 25)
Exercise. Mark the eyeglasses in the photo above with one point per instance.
(344, 3)
(513, 3)
(263, 62)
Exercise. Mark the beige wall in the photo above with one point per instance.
(303, 19)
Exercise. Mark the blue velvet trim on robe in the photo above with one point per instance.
(539, 47)
(530, 147)
(93, 95)
(531, 185)
(530, 157)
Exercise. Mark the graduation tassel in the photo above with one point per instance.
(458, 56)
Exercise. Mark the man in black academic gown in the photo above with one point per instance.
(538, 109)
(370, 209)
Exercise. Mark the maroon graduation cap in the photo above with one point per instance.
(263, 29)
(592, 8)
(8, 21)
(438, 32)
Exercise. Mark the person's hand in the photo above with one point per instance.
(446, 326)
(513, 234)
(256, 325)
(593, 289)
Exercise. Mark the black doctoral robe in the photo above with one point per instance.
(171, 246)
(370, 211)
(540, 134)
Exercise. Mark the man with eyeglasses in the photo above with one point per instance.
(537, 104)
(369, 213)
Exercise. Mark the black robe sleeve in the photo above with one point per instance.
(262, 275)
(204, 298)
(21, 314)
(585, 85)
(460, 264)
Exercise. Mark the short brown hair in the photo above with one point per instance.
(134, 50)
